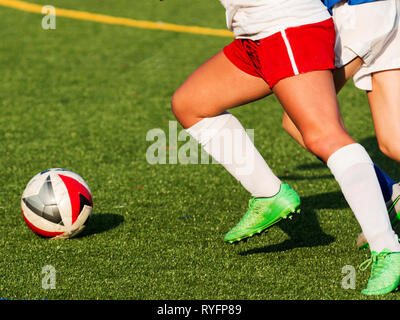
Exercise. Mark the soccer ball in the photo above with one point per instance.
(56, 203)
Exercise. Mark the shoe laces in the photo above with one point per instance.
(252, 202)
(377, 260)
(254, 205)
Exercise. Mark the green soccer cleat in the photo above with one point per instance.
(265, 212)
(393, 207)
(385, 272)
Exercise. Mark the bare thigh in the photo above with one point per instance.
(214, 87)
(384, 101)
(341, 76)
(310, 101)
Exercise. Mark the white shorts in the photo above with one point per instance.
(370, 31)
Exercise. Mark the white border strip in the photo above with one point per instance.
(290, 52)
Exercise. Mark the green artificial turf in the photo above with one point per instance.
(83, 97)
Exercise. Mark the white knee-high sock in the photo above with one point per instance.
(224, 138)
(354, 171)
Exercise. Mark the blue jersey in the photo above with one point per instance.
(331, 3)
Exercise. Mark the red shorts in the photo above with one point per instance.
(287, 53)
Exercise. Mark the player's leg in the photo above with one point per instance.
(310, 100)
(318, 123)
(384, 101)
(381, 80)
(213, 88)
(199, 105)
(341, 76)
(390, 189)
(351, 166)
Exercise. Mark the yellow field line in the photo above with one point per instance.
(101, 18)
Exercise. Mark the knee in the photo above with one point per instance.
(190, 107)
(324, 144)
(390, 148)
(187, 108)
(316, 144)
(178, 104)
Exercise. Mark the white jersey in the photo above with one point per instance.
(257, 19)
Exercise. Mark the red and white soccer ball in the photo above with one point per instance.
(56, 203)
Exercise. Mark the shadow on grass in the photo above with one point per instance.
(304, 230)
(101, 222)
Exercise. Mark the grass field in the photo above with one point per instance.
(83, 97)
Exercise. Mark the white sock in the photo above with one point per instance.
(224, 138)
(354, 171)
